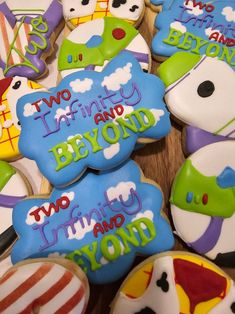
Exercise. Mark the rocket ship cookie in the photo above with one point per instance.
(203, 202)
(199, 96)
(173, 283)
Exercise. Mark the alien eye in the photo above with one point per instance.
(16, 85)
(205, 199)
(189, 197)
(85, 2)
(206, 89)
(72, 9)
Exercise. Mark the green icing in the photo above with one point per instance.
(6, 172)
(107, 50)
(221, 201)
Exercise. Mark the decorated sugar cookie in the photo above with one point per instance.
(76, 12)
(101, 230)
(44, 286)
(13, 188)
(91, 45)
(203, 202)
(173, 283)
(210, 113)
(27, 36)
(201, 27)
(11, 89)
(92, 119)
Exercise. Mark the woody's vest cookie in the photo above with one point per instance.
(200, 27)
(91, 45)
(28, 31)
(11, 89)
(173, 283)
(101, 230)
(203, 202)
(198, 95)
(92, 119)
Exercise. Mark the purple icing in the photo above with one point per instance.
(209, 238)
(9, 201)
(141, 57)
(7, 13)
(197, 138)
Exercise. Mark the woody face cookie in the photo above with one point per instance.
(102, 230)
(199, 27)
(173, 283)
(92, 45)
(77, 13)
(44, 286)
(28, 32)
(198, 96)
(203, 202)
(92, 119)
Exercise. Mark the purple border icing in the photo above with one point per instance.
(8, 14)
(141, 57)
(9, 201)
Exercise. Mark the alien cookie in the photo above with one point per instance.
(102, 230)
(13, 188)
(27, 36)
(197, 27)
(91, 45)
(203, 202)
(44, 286)
(92, 119)
(198, 95)
(173, 283)
(79, 12)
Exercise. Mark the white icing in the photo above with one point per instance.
(5, 264)
(225, 305)
(122, 188)
(35, 7)
(78, 9)
(124, 11)
(7, 124)
(120, 77)
(229, 14)
(178, 26)
(81, 86)
(81, 230)
(111, 151)
(193, 9)
(146, 214)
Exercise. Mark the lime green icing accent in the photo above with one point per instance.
(107, 242)
(75, 256)
(221, 201)
(76, 146)
(124, 124)
(212, 50)
(146, 235)
(28, 10)
(227, 55)
(38, 21)
(143, 124)
(107, 50)
(90, 252)
(224, 126)
(6, 172)
(93, 139)
(129, 237)
(63, 156)
(107, 130)
(177, 66)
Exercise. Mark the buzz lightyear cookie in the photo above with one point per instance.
(79, 12)
(44, 286)
(13, 188)
(92, 45)
(11, 89)
(173, 283)
(92, 120)
(27, 36)
(102, 233)
(199, 96)
(203, 202)
(199, 27)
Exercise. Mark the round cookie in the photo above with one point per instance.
(13, 188)
(203, 202)
(77, 13)
(210, 114)
(173, 283)
(44, 286)
(93, 44)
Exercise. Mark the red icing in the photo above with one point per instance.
(205, 199)
(199, 283)
(4, 84)
(118, 33)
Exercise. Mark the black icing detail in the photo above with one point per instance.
(16, 85)
(225, 259)
(118, 3)
(145, 71)
(134, 8)
(19, 123)
(146, 310)
(232, 307)
(206, 89)
(163, 283)
(6, 239)
(72, 10)
(85, 2)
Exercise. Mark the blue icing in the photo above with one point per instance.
(189, 197)
(227, 178)
(97, 198)
(75, 111)
(94, 41)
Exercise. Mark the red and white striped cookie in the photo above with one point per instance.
(45, 286)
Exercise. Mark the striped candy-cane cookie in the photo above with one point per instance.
(45, 286)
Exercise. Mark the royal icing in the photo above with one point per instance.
(43, 286)
(13, 189)
(176, 283)
(202, 202)
(91, 45)
(76, 13)
(92, 119)
(26, 40)
(210, 113)
(102, 233)
(199, 27)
